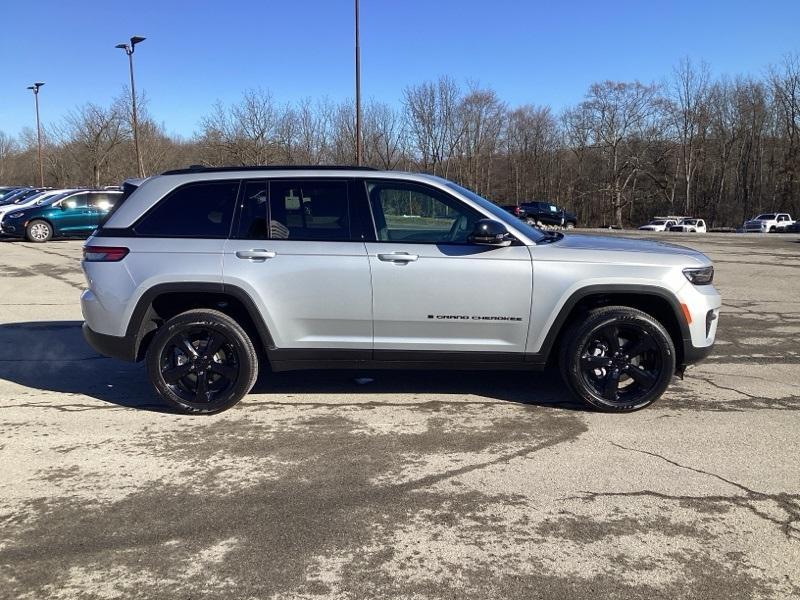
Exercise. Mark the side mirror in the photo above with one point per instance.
(490, 233)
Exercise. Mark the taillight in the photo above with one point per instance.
(516, 210)
(104, 253)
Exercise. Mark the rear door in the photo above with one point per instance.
(74, 214)
(433, 291)
(298, 251)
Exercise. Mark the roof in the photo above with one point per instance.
(204, 169)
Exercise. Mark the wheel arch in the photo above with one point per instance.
(164, 301)
(658, 302)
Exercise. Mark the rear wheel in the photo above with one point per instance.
(618, 359)
(202, 361)
(38, 231)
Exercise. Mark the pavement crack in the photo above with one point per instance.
(726, 388)
(789, 503)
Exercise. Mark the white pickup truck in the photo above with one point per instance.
(768, 223)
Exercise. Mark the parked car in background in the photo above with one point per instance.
(690, 226)
(7, 190)
(75, 214)
(543, 213)
(768, 223)
(19, 193)
(792, 228)
(659, 224)
(33, 200)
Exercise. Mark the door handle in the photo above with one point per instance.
(399, 257)
(256, 254)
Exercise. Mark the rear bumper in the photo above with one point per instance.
(122, 348)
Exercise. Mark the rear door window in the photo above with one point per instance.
(307, 209)
(197, 210)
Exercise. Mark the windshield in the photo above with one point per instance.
(765, 217)
(12, 196)
(535, 234)
(689, 222)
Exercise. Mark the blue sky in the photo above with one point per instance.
(199, 52)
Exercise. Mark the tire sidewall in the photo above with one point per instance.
(573, 351)
(218, 322)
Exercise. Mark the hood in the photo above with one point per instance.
(599, 244)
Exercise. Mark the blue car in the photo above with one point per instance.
(73, 214)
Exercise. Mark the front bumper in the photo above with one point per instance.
(703, 304)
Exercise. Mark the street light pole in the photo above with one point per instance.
(129, 49)
(358, 92)
(35, 88)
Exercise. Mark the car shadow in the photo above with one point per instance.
(52, 356)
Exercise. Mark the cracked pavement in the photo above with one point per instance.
(412, 485)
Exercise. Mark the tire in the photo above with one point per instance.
(38, 231)
(622, 382)
(189, 379)
(772, 229)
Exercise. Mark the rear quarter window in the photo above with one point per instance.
(196, 210)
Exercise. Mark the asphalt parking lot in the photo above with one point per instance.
(412, 485)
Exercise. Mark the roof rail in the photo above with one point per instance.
(204, 169)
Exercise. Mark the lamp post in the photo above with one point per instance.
(358, 91)
(35, 88)
(129, 49)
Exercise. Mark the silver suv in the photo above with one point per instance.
(208, 273)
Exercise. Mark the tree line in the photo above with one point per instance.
(719, 148)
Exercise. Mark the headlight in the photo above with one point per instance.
(16, 215)
(701, 276)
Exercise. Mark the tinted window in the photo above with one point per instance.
(309, 210)
(76, 201)
(254, 212)
(406, 212)
(103, 201)
(200, 210)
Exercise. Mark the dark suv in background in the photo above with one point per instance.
(74, 214)
(543, 213)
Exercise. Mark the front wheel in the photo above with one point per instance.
(38, 231)
(618, 359)
(202, 362)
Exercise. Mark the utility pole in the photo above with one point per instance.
(358, 93)
(129, 49)
(35, 88)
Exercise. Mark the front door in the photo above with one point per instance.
(296, 252)
(434, 291)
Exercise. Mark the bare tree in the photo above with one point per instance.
(481, 118)
(91, 133)
(384, 135)
(433, 124)
(622, 121)
(688, 114)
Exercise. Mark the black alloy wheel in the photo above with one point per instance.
(202, 361)
(619, 359)
(199, 364)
